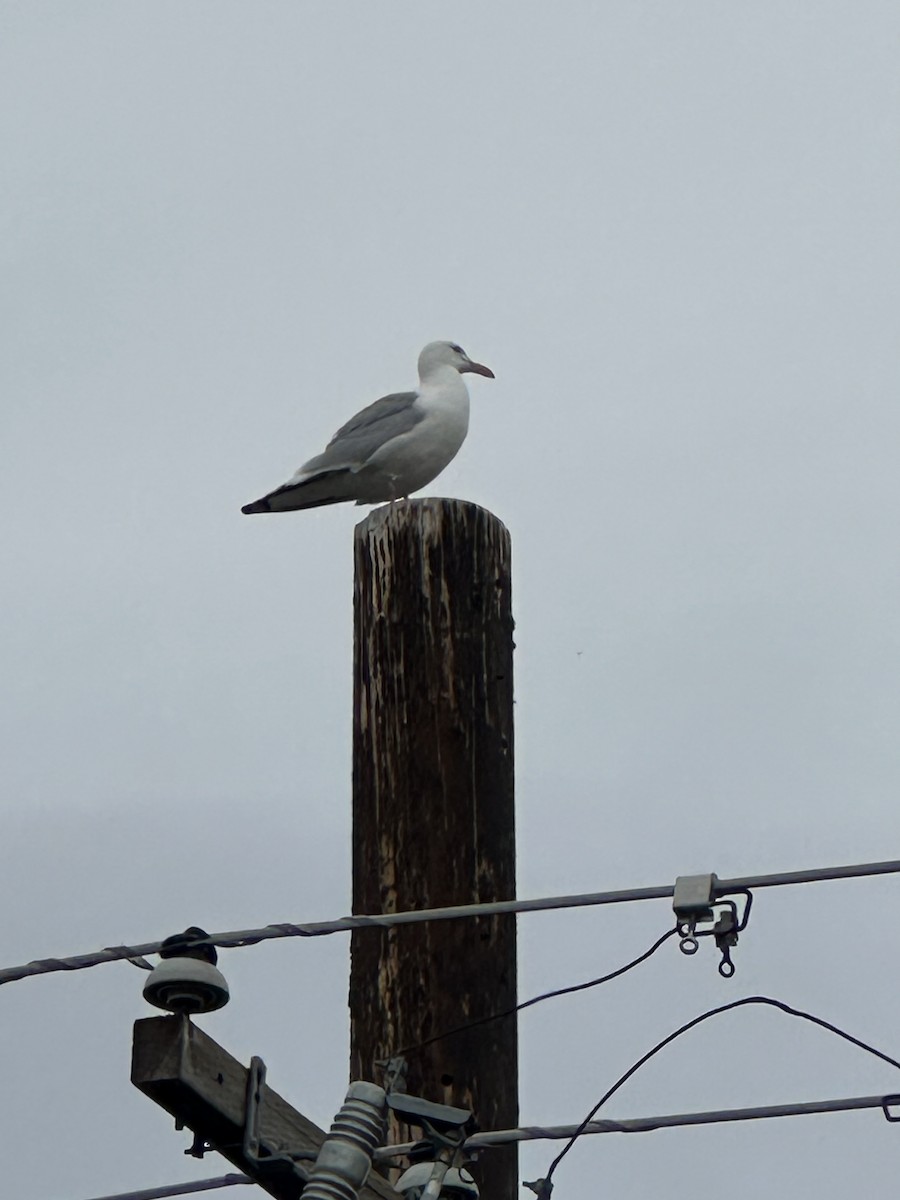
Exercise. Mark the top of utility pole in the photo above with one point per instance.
(433, 810)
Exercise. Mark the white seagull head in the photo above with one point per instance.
(448, 354)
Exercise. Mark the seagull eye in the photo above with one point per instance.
(458, 349)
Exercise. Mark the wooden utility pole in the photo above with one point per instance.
(433, 810)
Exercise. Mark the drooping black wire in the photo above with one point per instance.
(564, 991)
(713, 1012)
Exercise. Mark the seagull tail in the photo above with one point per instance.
(313, 492)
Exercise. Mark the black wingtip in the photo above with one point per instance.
(257, 506)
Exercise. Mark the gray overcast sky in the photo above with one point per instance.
(673, 230)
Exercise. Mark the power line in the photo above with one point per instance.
(180, 1189)
(712, 1012)
(563, 991)
(534, 1133)
(250, 937)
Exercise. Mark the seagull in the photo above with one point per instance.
(393, 447)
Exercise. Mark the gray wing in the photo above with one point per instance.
(355, 442)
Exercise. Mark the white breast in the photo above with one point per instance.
(417, 457)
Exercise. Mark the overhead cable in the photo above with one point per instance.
(533, 1133)
(536, 1133)
(249, 937)
(180, 1189)
(563, 991)
(712, 1012)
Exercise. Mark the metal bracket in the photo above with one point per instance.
(441, 1122)
(256, 1078)
(250, 1145)
(394, 1070)
(445, 1128)
(697, 902)
(199, 1146)
(886, 1104)
(269, 1163)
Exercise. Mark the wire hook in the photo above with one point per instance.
(689, 943)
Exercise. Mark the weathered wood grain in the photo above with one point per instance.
(433, 808)
(192, 1077)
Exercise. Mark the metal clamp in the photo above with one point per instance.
(282, 1163)
(693, 901)
(701, 910)
(445, 1128)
